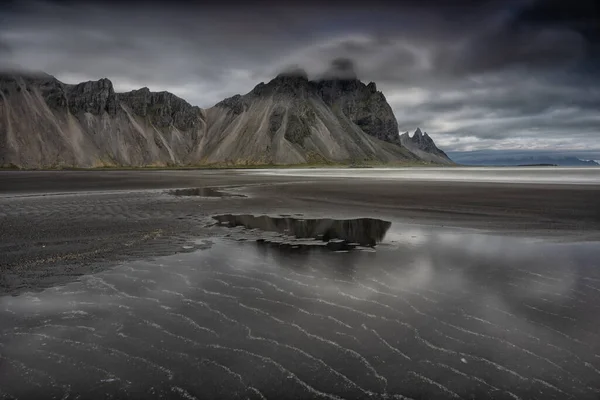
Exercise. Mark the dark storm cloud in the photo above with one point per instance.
(582, 16)
(4, 49)
(510, 110)
(473, 73)
(520, 98)
(528, 49)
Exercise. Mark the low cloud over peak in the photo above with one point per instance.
(341, 68)
(474, 74)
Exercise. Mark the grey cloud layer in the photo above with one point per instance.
(475, 74)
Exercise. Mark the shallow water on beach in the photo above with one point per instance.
(561, 175)
(422, 312)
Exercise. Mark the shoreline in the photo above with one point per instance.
(329, 165)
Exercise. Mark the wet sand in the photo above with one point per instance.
(116, 287)
(58, 225)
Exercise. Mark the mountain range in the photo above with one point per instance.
(289, 120)
(523, 157)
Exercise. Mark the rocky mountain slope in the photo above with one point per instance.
(292, 120)
(289, 120)
(46, 123)
(422, 145)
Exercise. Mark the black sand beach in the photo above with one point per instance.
(114, 286)
(56, 225)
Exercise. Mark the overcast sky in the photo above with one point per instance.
(497, 74)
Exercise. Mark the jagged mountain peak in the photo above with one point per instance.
(92, 97)
(293, 72)
(294, 82)
(144, 89)
(103, 81)
(423, 139)
(361, 103)
(372, 87)
(423, 146)
(339, 80)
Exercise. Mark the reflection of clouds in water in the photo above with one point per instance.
(409, 236)
(418, 274)
(423, 259)
(542, 269)
(520, 277)
(442, 298)
(426, 258)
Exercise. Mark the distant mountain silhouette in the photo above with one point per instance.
(500, 158)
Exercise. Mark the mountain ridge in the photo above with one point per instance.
(289, 120)
(423, 146)
(47, 123)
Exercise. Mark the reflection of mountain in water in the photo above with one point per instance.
(338, 234)
(202, 192)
